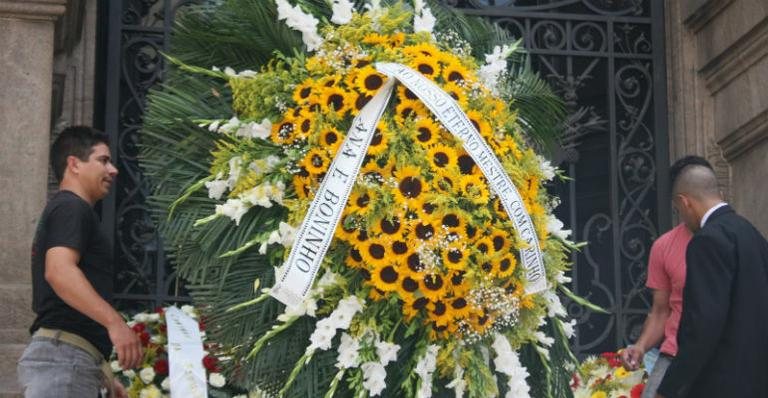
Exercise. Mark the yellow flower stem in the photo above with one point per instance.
(205, 220)
(295, 372)
(248, 303)
(187, 194)
(334, 384)
(272, 333)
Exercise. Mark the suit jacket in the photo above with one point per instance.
(723, 334)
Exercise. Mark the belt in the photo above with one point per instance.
(85, 345)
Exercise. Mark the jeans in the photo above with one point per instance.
(53, 369)
(656, 376)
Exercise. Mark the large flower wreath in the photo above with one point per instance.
(422, 290)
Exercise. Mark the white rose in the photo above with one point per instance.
(217, 380)
(147, 375)
(150, 392)
(129, 373)
(115, 366)
(166, 384)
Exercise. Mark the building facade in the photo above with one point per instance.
(704, 65)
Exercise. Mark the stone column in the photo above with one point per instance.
(26, 68)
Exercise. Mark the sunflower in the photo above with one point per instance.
(501, 241)
(360, 201)
(480, 321)
(414, 265)
(505, 265)
(458, 283)
(459, 307)
(457, 93)
(389, 226)
(425, 229)
(282, 132)
(421, 50)
(304, 91)
(368, 81)
(414, 308)
(408, 288)
(441, 157)
(454, 257)
(330, 138)
(304, 125)
(361, 100)
(426, 65)
(355, 260)
(480, 124)
(330, 80)
(374, 253)
(396, 40)
(433, 286)
(375, 39)
(441, 313)
(335, 100)
(409, 109)
(385, 278)
(474, 188)
(410, 184)
(347, 228)
(372, 173)
(316, 161)
(405, 94)
(484, 246)
(303, 186)
(379, 140)
(426, 132)
(454, 72)
(466, 164)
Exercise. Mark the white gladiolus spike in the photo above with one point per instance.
(423, 20)
(297, 19)
(342, 12)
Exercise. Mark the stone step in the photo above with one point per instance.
(9, 354)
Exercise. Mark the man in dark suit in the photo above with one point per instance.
(723, 334)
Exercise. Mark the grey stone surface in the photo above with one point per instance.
(749, 172)
(742, 99)
(9, 353)
(730, 25)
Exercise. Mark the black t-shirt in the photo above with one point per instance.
(69, 221)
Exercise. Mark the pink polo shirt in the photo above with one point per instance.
(666, 271)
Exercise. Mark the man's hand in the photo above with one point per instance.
(632, 357)
(127, 344)
(118, 390)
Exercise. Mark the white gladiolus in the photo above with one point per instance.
(495, 65)
(340, 318)
(256, 130)
(230, 126)
(141, 317)
(147, 375)
(284, 235)
(569, 328)
(554, 305)
(217, 380)
(508, 363)
(323, 334)
(546, 168)
(342, 12)
(234, 171)
(348, 352)
(305, 23)
(189, 310)
(216, 188)
(386, 351)
(233, 208)
(374, 376)
(424, 368)
(423, 20)
(555, 227)
(458, 384)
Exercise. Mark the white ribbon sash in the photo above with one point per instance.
(316, 231)
(456, 121)
(185, 356)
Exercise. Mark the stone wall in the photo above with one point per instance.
(717, 63)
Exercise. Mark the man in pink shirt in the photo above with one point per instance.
(666, 277)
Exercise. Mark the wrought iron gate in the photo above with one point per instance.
(605, 57)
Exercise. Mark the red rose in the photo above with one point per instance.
(575, 381)
(139, 327)
(144, 336)
(163, 329)
(637, 390)
(161, 367)
(201, 324)
(211, 363)
(160, 310)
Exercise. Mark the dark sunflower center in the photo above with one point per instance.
(336, 100)
(426, 69)
(428, 208)
(451, 221)
(439, 308)
(433, 282)
(317, 160)
(420, 303)
(466, 164)
(482, 247)
(454, 75)
(505, 264)
(459, 303)
(471, 231)
(410, 95)
(373, 82)
(390, 226)
(410, 187)
(362, 99)
(457, 278)
(377, 138)
(305, 125)
(425, 231)
(498, 242)
(414, 263)
(399, 247)
(486, 266)
(355, 254)
(476, 124)
(425, 134)
(331, 138)
(388, 274)
(441, 159)
(410, 285)
(376, 251)
(363, 200)
(455, 255)
(305, 92)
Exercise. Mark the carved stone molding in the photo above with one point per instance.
(745, 137)
(46, 10)
(737, 58)
(699, 12)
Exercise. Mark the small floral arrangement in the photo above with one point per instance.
(604, 376)
(151, 379)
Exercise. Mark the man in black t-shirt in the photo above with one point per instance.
(76, 325)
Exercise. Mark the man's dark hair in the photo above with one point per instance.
(75, 141)
(682, 163)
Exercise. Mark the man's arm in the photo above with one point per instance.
(71, 285)
(706, 302)
(653, 330)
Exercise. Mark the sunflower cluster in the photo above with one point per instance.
(421, 223)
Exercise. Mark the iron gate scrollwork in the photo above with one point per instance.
(605, 57)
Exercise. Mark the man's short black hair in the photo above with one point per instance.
(682, 163)
(75, 141)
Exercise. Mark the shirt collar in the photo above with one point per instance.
(710, 211)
